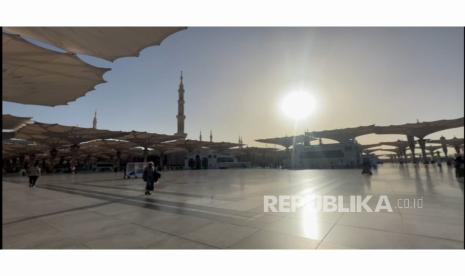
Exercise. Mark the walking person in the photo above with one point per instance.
(366, 166)
(125, 174)
(150, 176)
(33, 172)
(73, 167)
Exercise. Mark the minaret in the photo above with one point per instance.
(181, 117)
(94, 122)
(200, 136)
(211, 137)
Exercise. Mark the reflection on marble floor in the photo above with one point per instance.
(224, 209)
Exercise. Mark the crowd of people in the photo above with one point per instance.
(458, 163)
(150, 176)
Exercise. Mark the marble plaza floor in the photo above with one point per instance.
(224, 209)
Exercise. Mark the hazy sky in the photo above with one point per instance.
(235, 77)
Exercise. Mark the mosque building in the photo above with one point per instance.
(206, 155)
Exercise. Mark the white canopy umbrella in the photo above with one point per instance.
(16, 149)
(63, 135)
(108, 43)
(35, 75)
(147, 139)
(11, 122)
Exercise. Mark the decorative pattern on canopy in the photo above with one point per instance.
(35, 75)
(108, 43)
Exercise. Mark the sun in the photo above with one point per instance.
(297, 105)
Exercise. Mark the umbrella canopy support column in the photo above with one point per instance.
(146, 152)
(53, 156)
(438, 156)
(162, 159)
(118, 160)
(411, 144)
(74, 154)
(431, 152)
(422, 144)
(398, 155)
(444, 145)
(403, 151)
(457, 149)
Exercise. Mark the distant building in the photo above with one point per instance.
(212, 159)
(339, 155)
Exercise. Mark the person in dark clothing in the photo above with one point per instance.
(459, 168)
(33, 172)
(198, 163)
(150, 176)
(448, 162)
(366, 165)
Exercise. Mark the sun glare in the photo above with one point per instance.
(298, 105)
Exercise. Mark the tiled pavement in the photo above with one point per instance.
(224, 209)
